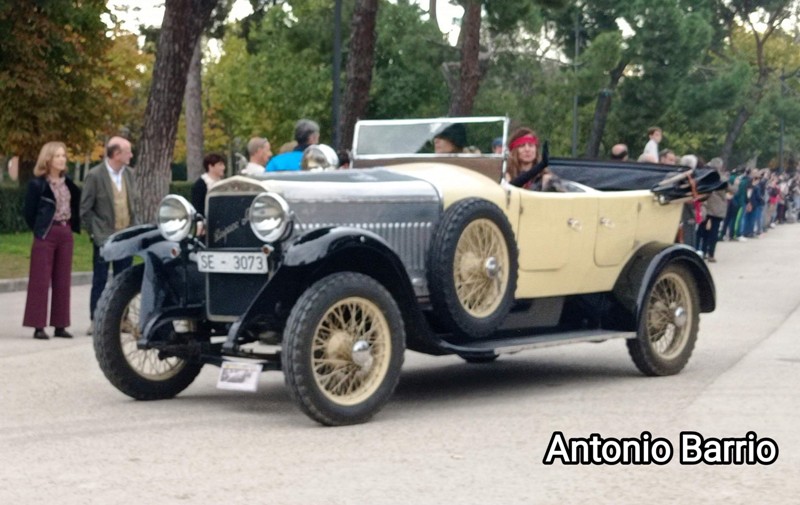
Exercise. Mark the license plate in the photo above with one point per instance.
(232, 262)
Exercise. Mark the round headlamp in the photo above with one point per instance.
(175, 218)
(319, 157)
(269, 217)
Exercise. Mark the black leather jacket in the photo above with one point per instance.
(40, 206)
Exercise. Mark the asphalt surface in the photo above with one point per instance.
(453, 432)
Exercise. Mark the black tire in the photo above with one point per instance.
(469, 315)
(125, 366)
(668, 325)
(329, 382)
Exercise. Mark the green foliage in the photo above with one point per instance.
(15, 254)
(283, 80)
(11, 200)
(182, 188)
(408, 58)
(12, 197)
(49, 56)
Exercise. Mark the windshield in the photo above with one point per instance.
(475, 136)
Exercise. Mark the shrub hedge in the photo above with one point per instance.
(12, 197)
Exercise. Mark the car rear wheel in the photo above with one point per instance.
(668, 324)
(140, 374)
(343, 349)
(473, 268)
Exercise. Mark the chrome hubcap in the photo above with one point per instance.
(362, 355)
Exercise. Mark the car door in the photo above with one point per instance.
(617, 220)
(551, 229)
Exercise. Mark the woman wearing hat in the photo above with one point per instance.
(525, 169)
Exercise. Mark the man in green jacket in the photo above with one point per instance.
(108, 205)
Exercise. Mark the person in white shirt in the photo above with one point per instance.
(651, 148)
(260, 152)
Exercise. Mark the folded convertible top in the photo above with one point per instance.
(606, 175)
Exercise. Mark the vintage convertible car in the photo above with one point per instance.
(330, 275)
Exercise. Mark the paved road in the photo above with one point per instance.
(453, 433)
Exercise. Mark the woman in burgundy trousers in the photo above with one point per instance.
(52, 211)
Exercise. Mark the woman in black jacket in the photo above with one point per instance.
(52, 211)
(214, 166)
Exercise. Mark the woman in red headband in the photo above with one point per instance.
(525, 168)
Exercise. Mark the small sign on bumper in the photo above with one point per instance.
(239, 376)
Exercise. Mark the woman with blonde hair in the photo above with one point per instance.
(52, 212)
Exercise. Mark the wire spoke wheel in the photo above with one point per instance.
(668, 324)
(343, 348)
(472, 269)
(143, 374)
(146, 363)
(480, 270)
(350, 350)
(667, 316)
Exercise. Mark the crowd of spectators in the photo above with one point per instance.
(752, 201)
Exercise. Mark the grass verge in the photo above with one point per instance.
(15, 254)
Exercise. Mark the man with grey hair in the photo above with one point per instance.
(259, 151)
(306, 133)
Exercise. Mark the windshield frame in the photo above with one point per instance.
(365, 123)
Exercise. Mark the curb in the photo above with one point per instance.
(10, 285)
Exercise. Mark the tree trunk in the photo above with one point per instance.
(463, 97)
(601, 111)
(184, 21)
(736, 128)
(193, 106)
(360, 58)
(432, 15)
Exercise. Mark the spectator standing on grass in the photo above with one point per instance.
(51, 211)
(108, 205)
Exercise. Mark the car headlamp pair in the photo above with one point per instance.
(268, 215)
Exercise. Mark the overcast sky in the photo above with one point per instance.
(150, 13)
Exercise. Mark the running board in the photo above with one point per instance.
(516, 344)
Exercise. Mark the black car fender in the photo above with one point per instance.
(322, 252)
(170, 279)
(639, 274)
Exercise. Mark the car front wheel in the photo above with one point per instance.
(141, 374)
(668, 325)
(343, 349)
